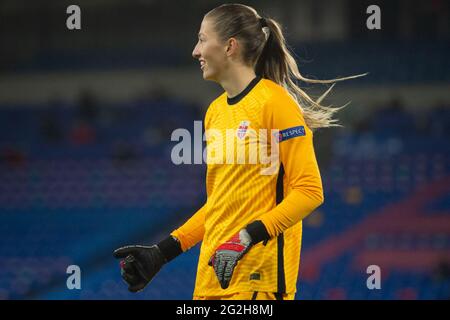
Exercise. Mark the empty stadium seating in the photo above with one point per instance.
(70, 198)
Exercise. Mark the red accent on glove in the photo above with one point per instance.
(234, 244)
(231, 246)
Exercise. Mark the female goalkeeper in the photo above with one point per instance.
(251, 223)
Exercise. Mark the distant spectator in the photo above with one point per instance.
(395, 106)
(82, 133)
(88, 109)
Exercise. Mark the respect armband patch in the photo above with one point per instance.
(289, 133)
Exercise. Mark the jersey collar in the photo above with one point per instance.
(241, 95)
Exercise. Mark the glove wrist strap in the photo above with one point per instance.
(257, 231)
(170, 248)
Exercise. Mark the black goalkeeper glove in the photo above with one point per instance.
(140, 264)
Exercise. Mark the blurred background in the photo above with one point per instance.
(86, 118)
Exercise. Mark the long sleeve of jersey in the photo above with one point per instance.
(302, 182)
(192, 231)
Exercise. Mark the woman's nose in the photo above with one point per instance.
(196, 53)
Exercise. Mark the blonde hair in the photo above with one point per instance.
(265, 48)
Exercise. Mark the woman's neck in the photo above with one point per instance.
(237, 80)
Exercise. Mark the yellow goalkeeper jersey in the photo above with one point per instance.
(241, 190)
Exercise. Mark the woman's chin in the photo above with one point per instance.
(208, 76)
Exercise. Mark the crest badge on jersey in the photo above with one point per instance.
(242, 130)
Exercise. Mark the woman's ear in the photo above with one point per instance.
(232, 47)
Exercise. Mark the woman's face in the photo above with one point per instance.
(210, 51)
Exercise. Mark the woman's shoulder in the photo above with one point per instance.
(275, 90)
(277, 94)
